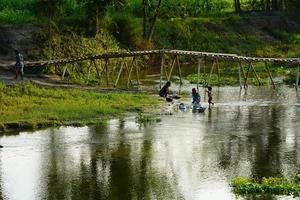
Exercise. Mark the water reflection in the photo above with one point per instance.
(186, 156)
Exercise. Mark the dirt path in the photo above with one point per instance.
(7, 76)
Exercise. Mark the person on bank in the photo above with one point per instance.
(166, 93)
(19, 66)
(195, 96)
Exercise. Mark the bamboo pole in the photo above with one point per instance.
(247, 75)
(256, 75)
(218, 68)
(97, 70)
(211, 71)
(137, 72)
(119, 74)
(89, 72)
(270, 75)
(64, 73)
(130, 72)
(106, 72)
(171, 70)
(198, 73)
(161, 70)
(204, 70)
(179, 69)
(297, 79)
(239, 71)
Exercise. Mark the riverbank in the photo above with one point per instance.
(26, 106)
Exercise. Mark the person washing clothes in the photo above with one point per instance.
(165, 92)
(195, 96)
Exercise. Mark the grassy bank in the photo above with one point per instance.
(29, 106)
(250, 35)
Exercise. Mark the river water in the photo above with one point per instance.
(185, 156)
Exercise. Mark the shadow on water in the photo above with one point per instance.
(186, 156)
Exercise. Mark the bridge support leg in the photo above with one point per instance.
(256, 75)
(218, 68)
(179, 69)
(97, 70)
(239, 71)
(137, 72)
(246, 77)
(106, 72)
(119, 74)
(270, 75)
(89, 72)
(198, 73)
(161, 70)
(130, 72)
(211, 71)
(171, 70)
(64, 72)
(298, 75)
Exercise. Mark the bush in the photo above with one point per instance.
(16, 17)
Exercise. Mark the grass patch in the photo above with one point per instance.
(32, 106)
(272, 186)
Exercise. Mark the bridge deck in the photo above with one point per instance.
(197, 54)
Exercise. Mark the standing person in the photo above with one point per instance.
(19, 65)
(209, 92)
(196, 97)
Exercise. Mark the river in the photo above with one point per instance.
(185, 156)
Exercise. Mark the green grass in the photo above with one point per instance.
(31, 105)
(272, 186)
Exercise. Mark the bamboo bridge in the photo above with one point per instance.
(126, 62)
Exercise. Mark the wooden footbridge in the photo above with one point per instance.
(110, 67)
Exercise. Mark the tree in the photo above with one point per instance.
(96, 9)
(275, 5)
(148, 9)
(237, 6)
(52, 10)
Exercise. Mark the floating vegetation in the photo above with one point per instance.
(143, 118)
(271, 186)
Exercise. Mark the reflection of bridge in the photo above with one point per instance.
(116, 63)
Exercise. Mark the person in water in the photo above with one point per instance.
(165, 92)
(196, 97)
(19, 65)
(209, 92)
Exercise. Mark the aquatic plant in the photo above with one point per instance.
(143, 118)
(271, 185)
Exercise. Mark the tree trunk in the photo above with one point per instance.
(275, 6)
(144, 4)
(237, 6)
(152, 28)
(267, 6)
